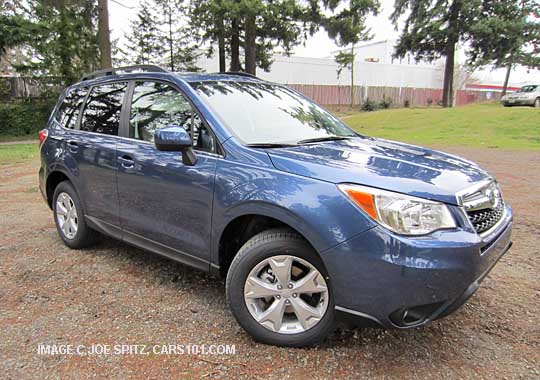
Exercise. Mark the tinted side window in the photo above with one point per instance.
(156, 105)
(102, 111)
(71, 106)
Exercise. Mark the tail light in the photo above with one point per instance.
(43, 135)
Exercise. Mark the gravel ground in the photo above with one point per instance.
(115, 294)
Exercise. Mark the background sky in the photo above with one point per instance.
(319, 45)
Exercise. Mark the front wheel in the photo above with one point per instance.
(279, 290)
(537, 103)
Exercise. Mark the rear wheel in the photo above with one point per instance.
(69, 218)
(537, 103)
(279, 291)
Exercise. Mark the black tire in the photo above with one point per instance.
(260, 247)
(84, 236)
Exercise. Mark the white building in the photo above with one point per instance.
(375, 66)
(383, 52)
(323, 71)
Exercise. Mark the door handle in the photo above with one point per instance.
(72, 146)
(126, 161)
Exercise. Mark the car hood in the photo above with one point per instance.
(382, 164)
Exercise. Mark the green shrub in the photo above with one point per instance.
(24, 117)
(385, 103)
(368, 105)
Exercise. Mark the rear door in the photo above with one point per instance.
(164, 204)
(95, 152)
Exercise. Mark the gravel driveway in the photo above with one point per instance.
(115, 294)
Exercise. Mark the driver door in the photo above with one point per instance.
(165, 205)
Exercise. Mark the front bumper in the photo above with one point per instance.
(518, 102)
(405, 282)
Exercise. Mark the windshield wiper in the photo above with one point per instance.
(270, 145)
(325, 138)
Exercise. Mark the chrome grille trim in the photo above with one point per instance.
(484, 206)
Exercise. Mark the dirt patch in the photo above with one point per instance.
(116, 294)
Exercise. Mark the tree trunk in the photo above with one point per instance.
(171, 49)
(453, 38)
(251, 45)
(235, 46)
(104, 35)
(221, 46)
(448, 88)
(352, 76)
(506, 79)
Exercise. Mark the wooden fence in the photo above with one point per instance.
(334, 95)
(28, 87)
(329, 95)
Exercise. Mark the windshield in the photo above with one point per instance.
(532, 88)
(264, 113)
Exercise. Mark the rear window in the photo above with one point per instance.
(103, 107)
(68, 112)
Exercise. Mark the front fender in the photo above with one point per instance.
(316, 209)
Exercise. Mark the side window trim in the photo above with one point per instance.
(85, 103)
(60, 103)
(125, 113)
(81, 110)
(124, 132)
(58, 106)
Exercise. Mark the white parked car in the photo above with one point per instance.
(526, 96)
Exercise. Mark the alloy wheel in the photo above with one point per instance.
(286, 294)
(66, 215)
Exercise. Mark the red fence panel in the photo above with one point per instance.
(334, 95)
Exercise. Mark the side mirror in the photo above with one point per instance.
(176, 139)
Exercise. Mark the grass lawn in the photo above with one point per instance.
(486, 125)
(10, 154)
(10, 138)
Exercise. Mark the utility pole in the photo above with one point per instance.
(104, 35)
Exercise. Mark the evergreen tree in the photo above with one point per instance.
(261, 26)
(211, 19)
(433, 29)
(59, 37)
(144, 45)
(347, 28)
(177, 37)
(498, 31)
(506, 33)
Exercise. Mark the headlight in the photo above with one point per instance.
(400, 213)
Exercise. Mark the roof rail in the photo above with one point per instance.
(239, 73)
(116, 70)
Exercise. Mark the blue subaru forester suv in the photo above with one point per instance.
(310, 222)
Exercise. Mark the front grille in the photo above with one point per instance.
(484, 206)
(483, 220)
